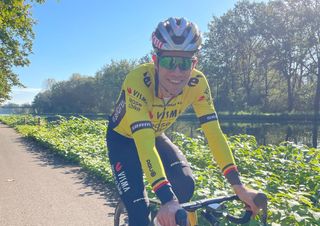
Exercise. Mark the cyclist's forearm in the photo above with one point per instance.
(152, 165)
(221, 151)
(218, 145)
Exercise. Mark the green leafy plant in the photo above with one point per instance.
(288, 173)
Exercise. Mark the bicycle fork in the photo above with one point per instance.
(193, 219)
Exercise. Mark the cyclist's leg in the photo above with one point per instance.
(177, 168)
(128, 178)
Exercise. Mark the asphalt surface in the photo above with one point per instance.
(38, 187)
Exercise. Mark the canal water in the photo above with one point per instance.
(265, 133)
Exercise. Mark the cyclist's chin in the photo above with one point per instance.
(175, 90)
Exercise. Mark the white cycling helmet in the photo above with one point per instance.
(176, 34)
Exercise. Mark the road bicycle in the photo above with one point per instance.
(212, 209)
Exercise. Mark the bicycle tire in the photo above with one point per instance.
(120, 216)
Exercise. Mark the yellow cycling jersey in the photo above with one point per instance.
(142, 115)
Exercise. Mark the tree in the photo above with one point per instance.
(16, 36)
(146, 58)
(309, 23)
(42, 102)
(231, 56)
(262, 54)
(48, 83)
(283, 35)
(77, 95)
(109, 81)
(85, 94)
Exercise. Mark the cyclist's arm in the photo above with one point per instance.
(203, 106)
(144, 137)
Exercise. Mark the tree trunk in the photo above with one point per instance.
(290, 94)
(316, 108)
(266, 90)
(289, 134)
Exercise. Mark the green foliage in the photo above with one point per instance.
(260, 55)
(289, 174)
(76, 95)
(109, 81)
(16, 38)
(20, 120)
(85, 94)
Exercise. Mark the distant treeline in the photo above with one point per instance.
(258, 57)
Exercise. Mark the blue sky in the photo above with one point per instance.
(82, 36)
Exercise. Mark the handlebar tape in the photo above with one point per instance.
(181, 217)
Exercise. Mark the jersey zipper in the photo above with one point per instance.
(164, 111)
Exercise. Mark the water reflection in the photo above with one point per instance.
(265, 133)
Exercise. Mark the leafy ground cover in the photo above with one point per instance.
(288, 173)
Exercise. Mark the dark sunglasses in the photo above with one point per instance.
(172, 62)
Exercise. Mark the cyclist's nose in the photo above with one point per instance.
(177, 70)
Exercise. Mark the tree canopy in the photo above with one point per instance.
(264, 56)
(258, 56)
(16, 36)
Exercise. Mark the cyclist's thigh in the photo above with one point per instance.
(128, 177)
(177, 168)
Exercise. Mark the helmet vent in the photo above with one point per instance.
(178, 39)
(176, 34)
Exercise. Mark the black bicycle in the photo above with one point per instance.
(213, 210)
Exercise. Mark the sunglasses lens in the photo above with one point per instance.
(185, 64)
(167, 63)
(171, 63)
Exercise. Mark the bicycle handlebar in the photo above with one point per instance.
(260, 200)
(240, 220)
(181, 217)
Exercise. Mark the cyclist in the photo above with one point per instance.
(151, 98)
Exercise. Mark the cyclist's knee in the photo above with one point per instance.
(184, 188)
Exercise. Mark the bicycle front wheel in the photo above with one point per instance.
(120, 215)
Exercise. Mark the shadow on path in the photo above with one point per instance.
(46, 158)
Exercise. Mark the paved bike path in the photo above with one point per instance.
(38, 187)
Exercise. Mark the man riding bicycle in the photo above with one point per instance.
(152, 97)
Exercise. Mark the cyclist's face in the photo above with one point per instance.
(174, 70)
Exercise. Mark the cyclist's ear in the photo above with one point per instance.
(194, 62)
(155, 59)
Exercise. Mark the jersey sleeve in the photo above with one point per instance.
(137, 100)
(204, 109)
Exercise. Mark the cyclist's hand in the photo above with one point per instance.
(166, 213)
(247, 196)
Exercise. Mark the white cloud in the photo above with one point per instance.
(26, 90)
(23, 95)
